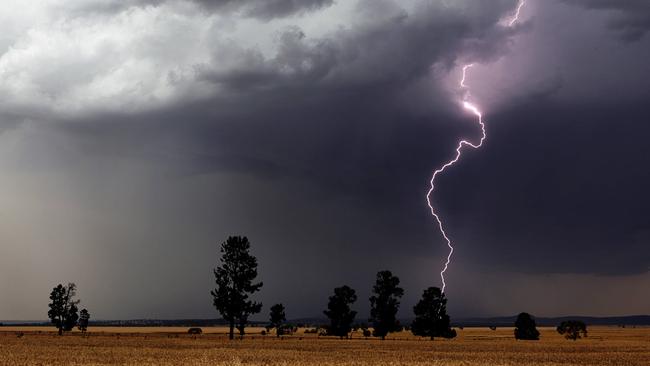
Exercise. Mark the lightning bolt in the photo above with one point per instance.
(459, 149)
(515, 18)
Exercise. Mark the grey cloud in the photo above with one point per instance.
(296, 62)
(387, 46)
(631, 18)
(265, 9)
(261, 9)
(100, 7)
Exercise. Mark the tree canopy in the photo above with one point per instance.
(235, 283)
(63, 308)
(431, 319)
(384, 304)
(277, 317)
(84, 319)
(339, 312)
(572, 329)
(525, 327)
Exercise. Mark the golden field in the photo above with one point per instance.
(171, 346)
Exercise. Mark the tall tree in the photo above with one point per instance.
(63, 308)
(384, 304)
(339, 312)
(525, 327)
(277, 318)
(84, 318)
(431, 319)
(235, 283)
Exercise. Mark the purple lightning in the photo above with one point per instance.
(462, 143)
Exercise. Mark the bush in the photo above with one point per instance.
(572, 329)
(525, 327)
(287, 329)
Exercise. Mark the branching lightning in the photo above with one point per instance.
(462, 143)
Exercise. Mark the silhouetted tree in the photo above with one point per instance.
(234, 279)
(572, 329)
(339, 312)
(63, 308)
(277, 318)
(525, 327)
(242, 322)
(84, 318)
(431, 319)
(384, 304)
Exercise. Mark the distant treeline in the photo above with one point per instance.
(632, 320)
(236, 280)
(134, 323)
(503, 321)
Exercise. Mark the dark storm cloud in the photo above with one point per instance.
(350, 133)
(261, 9)
(569, 202)
(630, 19)
(101, 7)
(388, 47)
(318, 145)
(265, 9)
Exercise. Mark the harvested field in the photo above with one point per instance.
(171, 346)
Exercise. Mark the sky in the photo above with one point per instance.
(136, 136)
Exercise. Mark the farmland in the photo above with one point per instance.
(172, 346)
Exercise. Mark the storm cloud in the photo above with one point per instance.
(135, 137)
(630, 19)
(265, 9)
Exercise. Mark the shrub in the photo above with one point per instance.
(572, 329)
(525, 327)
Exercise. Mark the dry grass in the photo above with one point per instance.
(170, 346)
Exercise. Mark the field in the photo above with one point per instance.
(171, 346)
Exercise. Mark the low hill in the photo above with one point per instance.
(631, 320)
(504, 321)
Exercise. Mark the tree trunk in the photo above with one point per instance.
(60, 331)
(232, 330)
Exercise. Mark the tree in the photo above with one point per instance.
(84, 318)
(242, 322)
(525, 327)
(63, 308)
(234, 279)
(384, 304)
(431, 319)
(572, 329)
(339, 312)
(277, 318)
